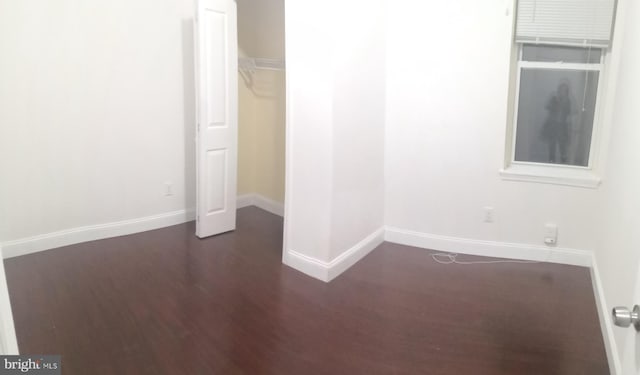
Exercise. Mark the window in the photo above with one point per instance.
(556, 104)
(556, 93)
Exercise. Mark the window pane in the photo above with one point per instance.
(560, 53)
(555, 116)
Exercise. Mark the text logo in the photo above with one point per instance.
(30, 364)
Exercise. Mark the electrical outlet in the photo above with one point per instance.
(550, 234)
(168, 189)
(488, 214)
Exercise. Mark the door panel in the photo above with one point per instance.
(216, 180)
(216, 74)
(217, 98)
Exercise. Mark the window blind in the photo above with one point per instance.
(565, 22)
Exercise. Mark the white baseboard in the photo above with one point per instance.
(350, 257)
(245, 200)
(308, 265)
(327, 271)
(489, 248)
(8, 339)
(260, 201)
(606, 324)
(73, 236)
(93, 232)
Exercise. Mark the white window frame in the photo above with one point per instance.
(559, 174)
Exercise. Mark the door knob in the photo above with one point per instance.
(623, 317)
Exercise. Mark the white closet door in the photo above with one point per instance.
(217, 107)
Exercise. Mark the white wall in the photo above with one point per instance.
(335, 125)
(447, 94)
(96, 112)
(309, 129)
(618, 252)
(358, 123)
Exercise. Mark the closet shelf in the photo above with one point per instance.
(251, 64)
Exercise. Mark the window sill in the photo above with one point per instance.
(556, 175)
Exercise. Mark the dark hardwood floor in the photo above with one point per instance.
(165, 302)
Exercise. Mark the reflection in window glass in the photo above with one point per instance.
(556, 111)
